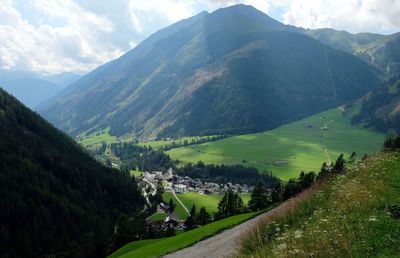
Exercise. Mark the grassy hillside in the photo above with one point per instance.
(353, 215)
(159, 247)
(290, 148)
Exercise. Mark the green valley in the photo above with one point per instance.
(291, 148)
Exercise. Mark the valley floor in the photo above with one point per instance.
(287, 150)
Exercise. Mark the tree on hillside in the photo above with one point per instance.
(203, 217)
(190, 222)
(340, 164)
(352, 157)
(277, 193)
(259, 198)
(306, 179)
(171, 207)
(230, 204)
(290, 189)
(389, 142)
(324, 171)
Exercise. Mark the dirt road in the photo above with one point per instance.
(226, 243)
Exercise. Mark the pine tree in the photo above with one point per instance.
(191, 220)
(171, 205)
(203, 217)
(259, 198)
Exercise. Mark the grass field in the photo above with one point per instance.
(162, 143)
(353, 215)
(96, 137)
(210, 202)
(159, 247)
(289, 149)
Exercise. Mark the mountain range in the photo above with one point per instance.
(32, 89)
(235, 70)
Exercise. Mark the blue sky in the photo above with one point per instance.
(54, 36)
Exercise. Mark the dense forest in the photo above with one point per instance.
(133, 156)
(380, 108)
(236, 174)
(55, 199)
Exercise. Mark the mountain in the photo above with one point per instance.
(55, 199)
(27, 88)
(62, 79)
(381, 108)
(381, 51)
(235, 70)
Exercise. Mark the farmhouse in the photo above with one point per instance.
(180, 188)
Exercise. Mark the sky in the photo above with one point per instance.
(55, 36)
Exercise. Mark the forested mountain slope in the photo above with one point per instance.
(55, 198)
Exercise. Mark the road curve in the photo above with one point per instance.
(226, 243)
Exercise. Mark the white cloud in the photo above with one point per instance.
(352, 15)
(54, 36)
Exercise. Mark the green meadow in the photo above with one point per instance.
(161, 143)
(160, 247)
(291, 148)
(208, 201)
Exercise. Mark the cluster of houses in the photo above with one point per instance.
(185, 184)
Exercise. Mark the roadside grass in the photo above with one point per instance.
(349, 216)
(208, 201)
(159, 247)
(289, 149)
(133, 246)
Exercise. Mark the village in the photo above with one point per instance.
(180, 184)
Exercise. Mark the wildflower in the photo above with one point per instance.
(298, 234)
(372, 218)
(282, 246)
(277, 229)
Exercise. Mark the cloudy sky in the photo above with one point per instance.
(53, 36)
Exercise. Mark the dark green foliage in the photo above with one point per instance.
(203, 217)
(394, 209)
(235, 70)
(230, 204)
(191, 221)
(174, 144)
(171, 205)
(134, 156)
(379, 109)
(54, 196)
(236, 174)
(127, 230)
(260, 198)
(340, 164)
(294, 186)
(392, 142)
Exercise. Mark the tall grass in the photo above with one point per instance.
(346, 216)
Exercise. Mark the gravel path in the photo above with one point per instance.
(226, 243)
